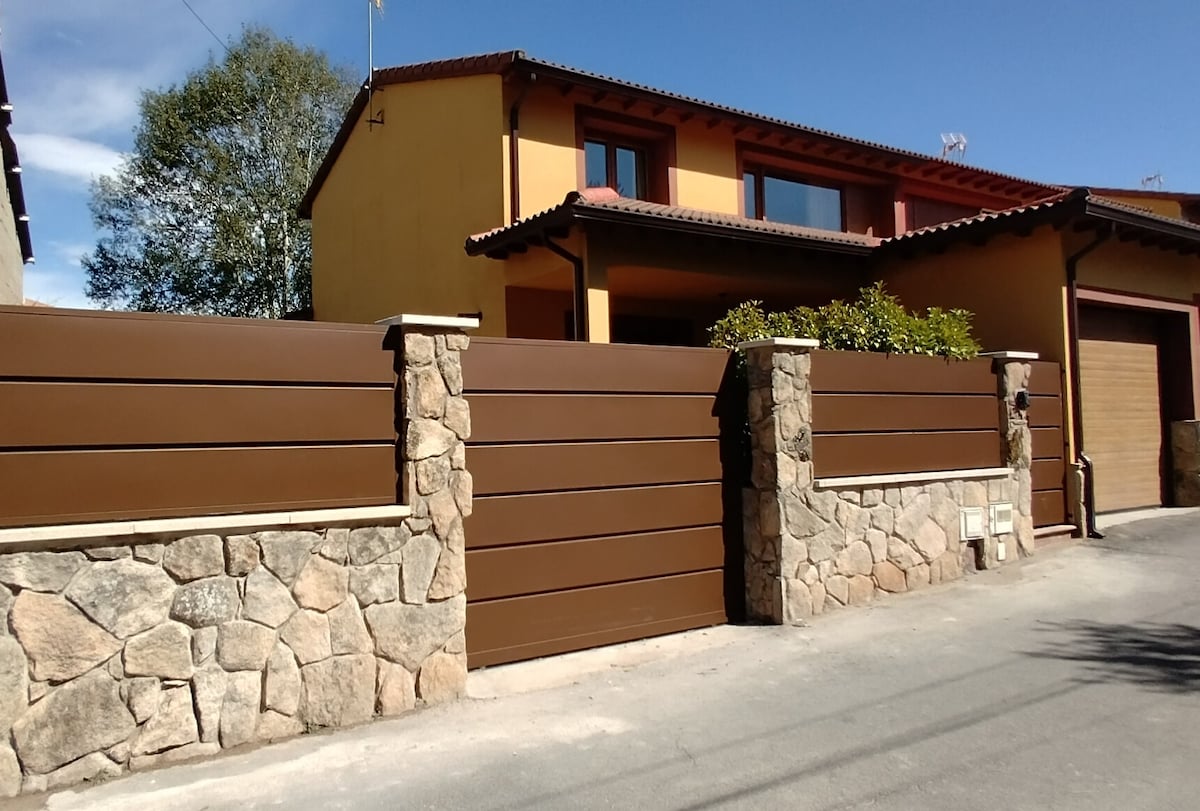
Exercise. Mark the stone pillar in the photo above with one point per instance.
(435, 483)
(1185, 462)
(780, 412)
(1013, 373)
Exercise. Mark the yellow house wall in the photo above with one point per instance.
(1129, 268)
(1015, 286)
(706, 176)
(390, 220)
(546, 149)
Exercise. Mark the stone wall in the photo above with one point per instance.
(810, 549)
(151, 650)
(1185, 462)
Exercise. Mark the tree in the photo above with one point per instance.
(201, 217)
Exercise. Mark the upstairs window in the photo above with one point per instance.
(619, 165)
(780, 199)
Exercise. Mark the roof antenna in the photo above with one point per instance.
(371, 6)
(954, 142)
(1153, 182)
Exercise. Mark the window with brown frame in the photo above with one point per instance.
(776, 196)
(618, 164)
(633, 156)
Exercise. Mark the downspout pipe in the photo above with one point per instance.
(514, 151)
(579, 287)
(1089, 470)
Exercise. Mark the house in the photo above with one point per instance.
(16, 248)
(597, 209)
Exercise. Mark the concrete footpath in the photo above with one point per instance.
(1071, 680)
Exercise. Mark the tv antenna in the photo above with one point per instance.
(1153, 182)
(954, 143)
(372, 6)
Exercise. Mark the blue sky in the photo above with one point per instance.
(1087, 92)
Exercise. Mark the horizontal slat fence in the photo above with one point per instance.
(877, 414)
(1049, 453)
(118, 416)
(598, 495)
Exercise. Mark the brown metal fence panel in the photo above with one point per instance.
(1049, 469)
(116, 416)
(878, 414)
(600, 509)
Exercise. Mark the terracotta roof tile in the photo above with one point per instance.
(986, 216)
(1075, 202)
(578, 204)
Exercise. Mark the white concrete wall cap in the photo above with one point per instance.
(412, 320)
(781, 343)
(246, 522)
(904, 478)
(1009, 355)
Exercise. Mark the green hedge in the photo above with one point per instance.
(876, 322)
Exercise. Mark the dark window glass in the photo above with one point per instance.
(631, 173)
(621, 168)
(751, 197)
(595, 159)
(801, 204)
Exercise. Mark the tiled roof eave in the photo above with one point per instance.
(660, 217)
(1073, 205)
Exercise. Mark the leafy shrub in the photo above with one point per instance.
(875, 322)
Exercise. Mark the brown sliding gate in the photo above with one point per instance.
(599, 515)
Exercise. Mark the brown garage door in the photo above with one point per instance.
(599, 507)
(1122, 406)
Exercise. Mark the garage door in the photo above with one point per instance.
(1119, 362)
(599, 511)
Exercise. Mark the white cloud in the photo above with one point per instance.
(71, 253)
(58, 288)
(74, 158)
(78, 105)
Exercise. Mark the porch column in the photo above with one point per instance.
(595, 294)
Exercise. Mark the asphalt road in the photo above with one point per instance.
(1068, 681)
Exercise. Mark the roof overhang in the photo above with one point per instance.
(1079, 208)
(826, 145)
(12, 173)
(584, 208)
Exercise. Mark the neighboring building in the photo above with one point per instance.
(16, 248)
(1177, 205)
(602, 210)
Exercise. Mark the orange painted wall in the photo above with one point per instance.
(1015, 286)
(1130, 268)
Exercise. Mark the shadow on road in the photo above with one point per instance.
(1161, 656)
